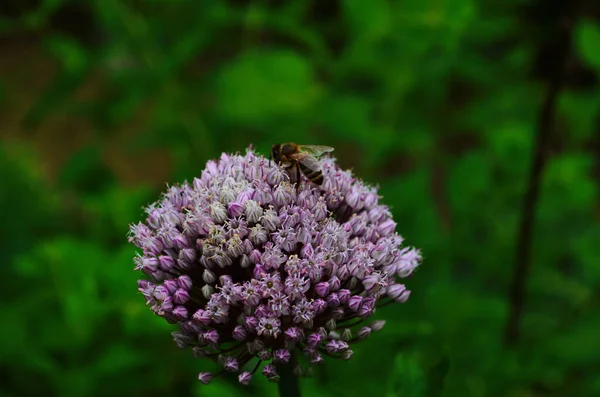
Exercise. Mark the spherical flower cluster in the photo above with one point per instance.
(249, 265)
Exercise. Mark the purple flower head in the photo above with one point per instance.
(249, 265)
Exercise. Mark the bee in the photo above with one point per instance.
(301, 158)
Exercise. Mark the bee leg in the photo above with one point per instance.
(298, 177)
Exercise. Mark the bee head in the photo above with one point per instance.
(275, 151)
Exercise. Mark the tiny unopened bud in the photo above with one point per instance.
(352, 283)
(330, 324)
(239, 333)
(298, 370)
(355, 302)
(386, 227)
(264, 354)
(258, 235)
(207, 291)
(244, 378)
(245, 262)
(270, 220)
(181, 296)
(218, 213)
(205, 377)
(269, 371)
(235, 209)
(347, 354)
(208, 276)
(364, 332)
(253, 211)
(346, 334)
(398, 293)
(377, 325)
(231, 364)
(226, 195)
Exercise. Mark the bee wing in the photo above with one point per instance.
(316, 150)
(307, 160)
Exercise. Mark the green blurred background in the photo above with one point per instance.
(102, 102)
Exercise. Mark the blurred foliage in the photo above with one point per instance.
(437, 102)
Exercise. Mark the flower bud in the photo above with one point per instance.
(218, 213)
(322, 289)
(281, 356)
(330, 324)
(166, 263)
(346, 334)
(333, 300)
(258, 235)
(270, 220)
(355, 302)
(181, 296)
(207, 291)
(180, 312)
(231, 365)
(253, 211)
(244, 378)
(239, 333)
(398, 292)
(235, 209)
(334, 283)
(377, 325)
(226, 195)
(170, 285)
(386, 227)
(205, 377)
(269, 371)
(208, 276)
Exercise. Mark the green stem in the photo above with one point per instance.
(288, 382)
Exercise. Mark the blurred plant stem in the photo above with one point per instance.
(288, 385)
(524, 239)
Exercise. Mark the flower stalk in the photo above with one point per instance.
(289, 385)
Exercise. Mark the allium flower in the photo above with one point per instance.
(248, 265)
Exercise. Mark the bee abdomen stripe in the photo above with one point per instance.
(307, 171)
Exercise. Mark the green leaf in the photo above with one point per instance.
(436, 377)
(72, 272)
(31, 207)
(218, 388)
(560, 174)
(85, 171)
(580, 109)
(469, 181)
(587, 39)
(408, 379)
(259, 85)
(368, 19)
(72, 55)
(14, 333)
(119, 357)
(347, 117)
(578, 346)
